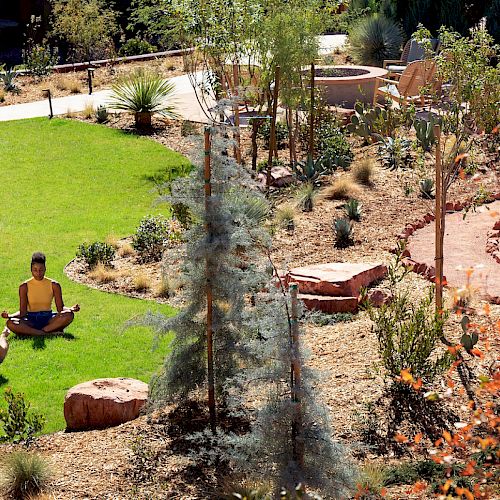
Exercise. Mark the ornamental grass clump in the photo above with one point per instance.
(23, 474)
(143, 93)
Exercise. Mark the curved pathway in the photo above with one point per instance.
(185, 101)
(465, 244)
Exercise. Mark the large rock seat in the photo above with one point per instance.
(337, 279)
(104, 402)
(334, 287)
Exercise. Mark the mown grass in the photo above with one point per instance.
(64, 183)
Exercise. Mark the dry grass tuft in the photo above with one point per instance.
(141, 283)
(168, 287)
(342, 189)
(72, 84)
(70, 113)
(363, 170)
(112, 240)
(103, 274)
(88, 111)
(125, 250)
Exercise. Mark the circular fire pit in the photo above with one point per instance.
(344, 85)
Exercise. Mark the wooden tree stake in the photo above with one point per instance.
(210, 355)
(439, 222)
(296, 379)
(272, 138)
(311, 125)
(237, 147)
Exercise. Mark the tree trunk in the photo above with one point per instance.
(143, 119)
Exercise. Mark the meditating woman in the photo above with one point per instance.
(35, 316)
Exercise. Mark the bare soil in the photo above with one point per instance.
(148, 458)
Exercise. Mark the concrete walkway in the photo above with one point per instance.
(184, 98)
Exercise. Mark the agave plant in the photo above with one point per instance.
(343, 233)
(143, 93)
(427, 188)
(9, 77)
(353, 209)
(373, 39)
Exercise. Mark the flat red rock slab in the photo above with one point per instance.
(464, 247)
(336, 279)
(329, 304)
(104, 402)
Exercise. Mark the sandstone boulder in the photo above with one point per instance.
(104, 402)
(379, 296)
(336, 279)
(328, 304)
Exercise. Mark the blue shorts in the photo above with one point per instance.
(40, 319)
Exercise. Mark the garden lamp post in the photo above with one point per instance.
(90, 74)
(49, 96)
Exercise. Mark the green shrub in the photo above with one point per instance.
(136, 46)
(409, 333)
(332, 145)
(24, 474)
(96, 252)
(264, 132)
(40, 59)
(343, 233)
(152, 236)
(17, 424)
(373, 39)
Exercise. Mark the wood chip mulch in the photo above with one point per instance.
(107, 464)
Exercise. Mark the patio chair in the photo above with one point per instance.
(409, 87)
(412, 51)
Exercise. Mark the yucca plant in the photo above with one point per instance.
(23, 474)
(373, 39)
(305, 197)
(427, 188)
(353, 209)
(343, 233)
(143, 93)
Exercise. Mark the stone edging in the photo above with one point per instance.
(429, 272)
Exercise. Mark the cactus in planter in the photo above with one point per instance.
(343, 233)
(353, 209)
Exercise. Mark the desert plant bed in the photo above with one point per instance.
(63, 84)
(72, 182)
(346, 349)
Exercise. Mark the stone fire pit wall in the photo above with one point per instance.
(344, 91)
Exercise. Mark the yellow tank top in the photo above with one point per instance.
(40, 295)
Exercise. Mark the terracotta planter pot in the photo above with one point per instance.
(143, 119)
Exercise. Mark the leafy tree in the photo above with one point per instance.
(87, 25)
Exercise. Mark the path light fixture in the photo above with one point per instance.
(49, 97)
(90, 74)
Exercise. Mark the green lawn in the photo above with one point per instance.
(64, 183)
